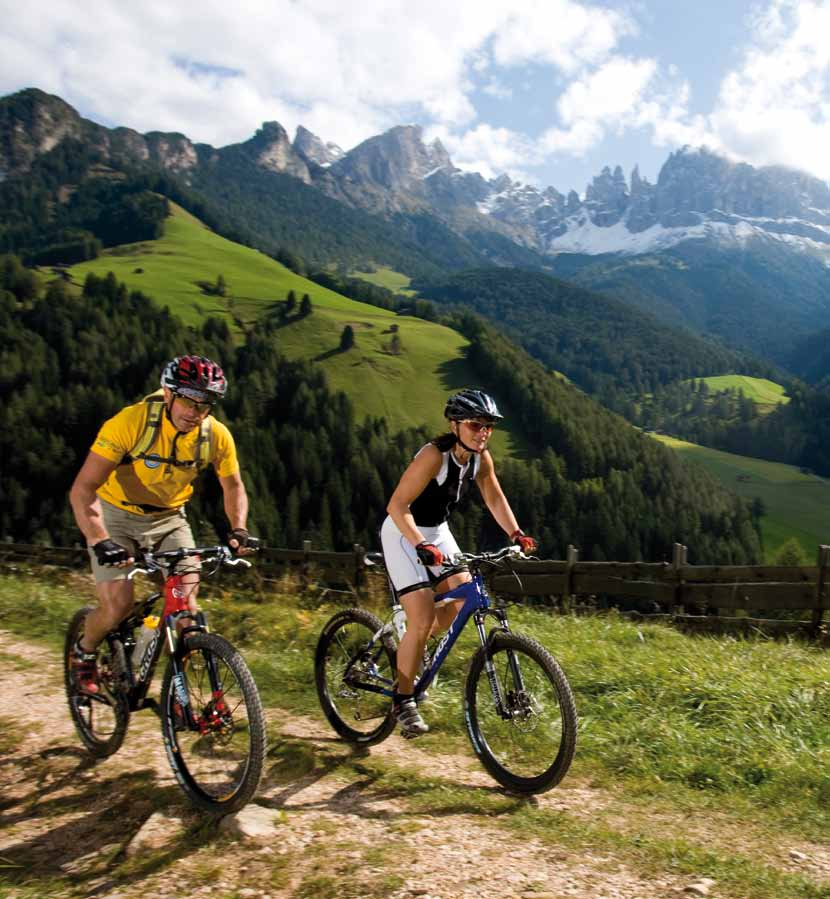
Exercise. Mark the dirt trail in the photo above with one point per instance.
(65, 821)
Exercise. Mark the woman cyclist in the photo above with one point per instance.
(417, 543)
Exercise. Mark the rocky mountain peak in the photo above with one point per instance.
(312, 148)
(271, 149)
(33, 122)
(607, 197)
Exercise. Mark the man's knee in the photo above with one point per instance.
(115, 599)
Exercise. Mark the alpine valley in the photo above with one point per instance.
(630, 291)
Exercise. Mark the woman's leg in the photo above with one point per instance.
(445, 612)
(419, 606)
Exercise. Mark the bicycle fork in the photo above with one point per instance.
(502, 703)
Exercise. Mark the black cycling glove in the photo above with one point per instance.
(243, 538)
(108, 552)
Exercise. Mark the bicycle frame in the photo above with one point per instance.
(140, 671)
(477, 606)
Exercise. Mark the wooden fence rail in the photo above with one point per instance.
(675, 587)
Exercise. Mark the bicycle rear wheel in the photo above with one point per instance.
(349, 670)
(217, 756)
(529, 747)
(100, 720)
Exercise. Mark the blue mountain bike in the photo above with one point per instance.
(518, 706)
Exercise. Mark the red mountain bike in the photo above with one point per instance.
(211, 715)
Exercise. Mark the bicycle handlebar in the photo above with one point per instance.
(222, 554)
(506, 552)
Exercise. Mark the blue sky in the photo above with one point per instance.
(549, 91)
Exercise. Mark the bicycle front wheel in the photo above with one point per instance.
(218, 751)
(101, 720)
(350, 670)
(528, 744)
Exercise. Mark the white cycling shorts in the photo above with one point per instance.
(401, 559)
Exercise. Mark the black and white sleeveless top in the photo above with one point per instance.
(442, 493)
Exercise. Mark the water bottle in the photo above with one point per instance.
(399, 620)
(145, 634)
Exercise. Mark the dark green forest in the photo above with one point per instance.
(609, 349)
(312, 469)
(797, 433)
(734, 295)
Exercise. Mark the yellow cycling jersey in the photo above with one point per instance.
(151, 484)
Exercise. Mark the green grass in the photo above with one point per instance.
(388, 278)
(409, 389)
(709, 737)
(760, 390)
(798, 504)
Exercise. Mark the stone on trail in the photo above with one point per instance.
(701, 888)
(156, 833)
(254, 822)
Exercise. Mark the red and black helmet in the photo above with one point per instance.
(196, 377)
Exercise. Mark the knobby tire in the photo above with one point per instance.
(359, 716)
(235, 740)
(101, 722)
(531, 751)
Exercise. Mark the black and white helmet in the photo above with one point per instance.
(471, 403)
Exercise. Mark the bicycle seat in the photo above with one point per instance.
(373, 559)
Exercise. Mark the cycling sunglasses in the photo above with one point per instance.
(476, 426)
(188, 403)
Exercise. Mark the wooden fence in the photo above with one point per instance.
(719, 597)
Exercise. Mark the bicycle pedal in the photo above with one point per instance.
(412, 734)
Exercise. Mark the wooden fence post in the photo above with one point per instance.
(306, 572)
(359, 567)
(570, 561)
(821, 588)
(679, 557)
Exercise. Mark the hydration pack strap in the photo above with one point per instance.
(152, 429)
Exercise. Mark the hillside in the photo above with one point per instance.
(797, 504)
(606, 347)
(408, 389)
(732, 293)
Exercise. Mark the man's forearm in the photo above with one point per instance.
(236, 506)
(88, 515)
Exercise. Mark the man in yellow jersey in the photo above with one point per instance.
(131, 491)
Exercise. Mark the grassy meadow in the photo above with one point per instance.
(798, 504)
(388, 278)
(702, 753)
(763, 392)
(408, 389)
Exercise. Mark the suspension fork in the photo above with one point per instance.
(177, 645)
(489, 666)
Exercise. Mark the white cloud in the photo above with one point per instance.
(564, 34)
(490, 151)
(619, 95)
(347, 71)
(775, 107)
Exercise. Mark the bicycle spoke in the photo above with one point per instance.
(346, 660)
(216, 750)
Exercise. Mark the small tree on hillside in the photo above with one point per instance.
(290, 302)
(347, 338)
(305, 305)
(790, 553)
(221, 288)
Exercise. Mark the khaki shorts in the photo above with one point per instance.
(158, 531)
